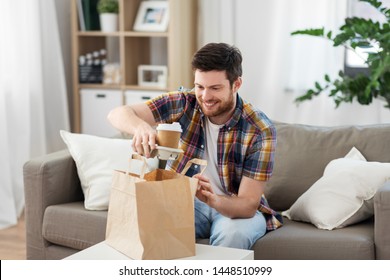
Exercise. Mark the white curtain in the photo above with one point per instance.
(279, 67)
(33, 99)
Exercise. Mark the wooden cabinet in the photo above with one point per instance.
(173, 48)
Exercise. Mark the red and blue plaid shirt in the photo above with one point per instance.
(246, 143)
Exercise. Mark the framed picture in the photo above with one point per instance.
(152, 16)
(152, 75)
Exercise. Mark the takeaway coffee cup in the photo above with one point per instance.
(168, 135)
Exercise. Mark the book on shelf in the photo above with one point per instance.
(81, 14)
(88, 15)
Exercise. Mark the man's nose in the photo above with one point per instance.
(206, 94)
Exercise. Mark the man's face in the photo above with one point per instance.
(215, 96)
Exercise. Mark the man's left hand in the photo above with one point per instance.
(205, 191)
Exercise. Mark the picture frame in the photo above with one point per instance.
(152, 16)
(153, 76)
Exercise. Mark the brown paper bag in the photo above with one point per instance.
(151, 216)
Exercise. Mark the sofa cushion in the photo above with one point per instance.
(343, 195)
(303, 241)
(71, 225)
(303, 151)
(96, 158)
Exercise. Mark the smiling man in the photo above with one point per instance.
(237, 140)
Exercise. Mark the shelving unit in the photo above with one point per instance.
(173, 48)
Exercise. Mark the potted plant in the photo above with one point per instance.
(108, 14)
(358, 33)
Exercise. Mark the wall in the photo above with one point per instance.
(63, 9)
(279, 67)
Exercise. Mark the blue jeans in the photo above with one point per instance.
(227, 232)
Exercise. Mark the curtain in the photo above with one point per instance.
(33, 98)
(278, 67)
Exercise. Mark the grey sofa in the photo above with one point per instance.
(57, 224)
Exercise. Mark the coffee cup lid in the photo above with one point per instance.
(170, 126)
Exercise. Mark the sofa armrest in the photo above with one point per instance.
(382, 222)
(48, 180)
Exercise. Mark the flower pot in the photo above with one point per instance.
(109, 22)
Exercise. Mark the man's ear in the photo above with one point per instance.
(237, 84)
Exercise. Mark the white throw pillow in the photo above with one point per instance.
(343, 195)
(96, 158)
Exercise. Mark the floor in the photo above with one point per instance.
(13, 242)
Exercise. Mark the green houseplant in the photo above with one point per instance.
(108, 13)
(363, 33)
(108, 7)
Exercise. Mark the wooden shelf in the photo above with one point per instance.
(97, 86)
(137, 87)
(97, 33)
(121, 34)
(145, 34)
(173, 48)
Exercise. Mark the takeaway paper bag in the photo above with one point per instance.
(152, 217)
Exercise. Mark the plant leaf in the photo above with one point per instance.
(312, 32)
(358, 33)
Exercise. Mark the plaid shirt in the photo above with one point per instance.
(246, 143)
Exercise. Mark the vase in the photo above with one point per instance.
(109, 22)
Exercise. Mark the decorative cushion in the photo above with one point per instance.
(303, 151)
(96, 158)
(343, 195)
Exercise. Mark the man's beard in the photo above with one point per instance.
(221, 108)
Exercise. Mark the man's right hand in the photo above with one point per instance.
(144, 139)
(136, 120)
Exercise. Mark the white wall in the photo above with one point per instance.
(279, 67)
(63, 10)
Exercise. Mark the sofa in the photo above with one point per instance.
(58, 225)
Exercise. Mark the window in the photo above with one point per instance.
(355, 61)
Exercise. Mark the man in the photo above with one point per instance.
(237, 140)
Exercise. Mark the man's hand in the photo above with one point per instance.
(242, 205)
(136, 120)
(144, 139)
(205, 192)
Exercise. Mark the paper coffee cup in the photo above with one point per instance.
(168, 135)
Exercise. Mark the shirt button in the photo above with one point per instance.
(202, 146)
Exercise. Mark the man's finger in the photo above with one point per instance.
(145, 147)
(152, 141)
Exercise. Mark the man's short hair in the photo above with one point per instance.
(219, 57)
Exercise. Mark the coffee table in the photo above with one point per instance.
(102, 251)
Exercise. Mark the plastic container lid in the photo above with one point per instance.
(170, 127)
